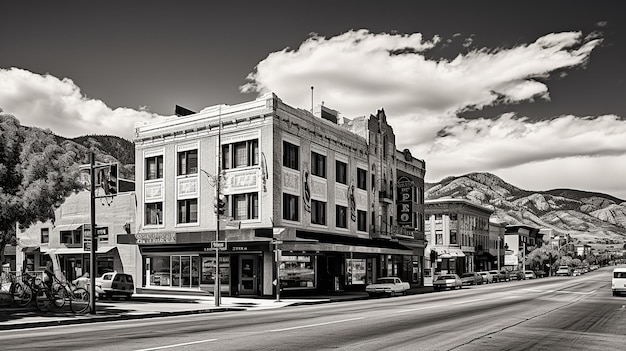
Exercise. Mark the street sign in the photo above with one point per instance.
(218, 245)
(277, 242)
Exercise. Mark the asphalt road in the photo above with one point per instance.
(559, 313)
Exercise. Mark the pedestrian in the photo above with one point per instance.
(48, 274)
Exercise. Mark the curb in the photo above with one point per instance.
(108, 318)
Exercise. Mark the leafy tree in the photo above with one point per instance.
(36, 175)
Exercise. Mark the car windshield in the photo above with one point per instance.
(384, 281)
(468, 275)
(443, 277)
(529, 272)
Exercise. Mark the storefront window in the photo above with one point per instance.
(297, 272)
(208, 271)
(159, 270)
(356, 271)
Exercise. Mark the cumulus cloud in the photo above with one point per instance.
(57, 104)
(358, 72)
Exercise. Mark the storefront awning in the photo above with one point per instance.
(30, 249)
(67, 227)
(448, 252)
(76, 250)
(321, 247)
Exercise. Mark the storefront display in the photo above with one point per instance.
(297, 272)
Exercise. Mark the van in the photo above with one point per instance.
(618, 284)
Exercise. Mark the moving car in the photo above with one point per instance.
(487, 277)
(389, 286)
(563, 271)
(471, 278)
(115, 284)
(618, 283)
(447, 281)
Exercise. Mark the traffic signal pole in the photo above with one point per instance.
(92, 256)
(217, 291)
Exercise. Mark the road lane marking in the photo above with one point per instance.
(419, 308)
(177, 345)
(317, 324)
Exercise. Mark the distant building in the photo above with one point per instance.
(496, 244)
(457, 231)
(519, 241)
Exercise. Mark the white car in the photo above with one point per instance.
(447, 281)
(618, 282)
(115, 284)
(389, 286)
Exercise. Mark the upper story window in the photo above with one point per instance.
(240, 154)
(341, 172)
(341, 216)
(291, 155)
(188, 211)
(154, 167)
(245, 206)
(361, 179)
(318, 164)
(318, 212)
(291, 206)
(188, 162)
(45, 235)
(154, 213)
(72, 237)
(361, 220)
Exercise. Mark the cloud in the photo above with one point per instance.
(358, 72)
(58, 104)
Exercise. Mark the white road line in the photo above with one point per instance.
(177, 345)
(317, 324)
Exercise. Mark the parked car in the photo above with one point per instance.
(471, 278)
(517, 275)
(114, 284)
(563, 271)
(487, 277)
(540, 274)
(618, 282)
(529, 275)
(576, 273)
(389, 286)
(447, 281)
(501, 276)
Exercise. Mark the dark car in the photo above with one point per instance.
(517, 275)
(471, 278)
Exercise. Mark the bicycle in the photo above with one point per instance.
(23, 288)
(78, 297)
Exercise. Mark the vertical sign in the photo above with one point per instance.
(405, 202)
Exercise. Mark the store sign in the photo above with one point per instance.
(155, 238)
(510, 260)
(405, 202)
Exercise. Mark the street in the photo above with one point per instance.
(557, 313)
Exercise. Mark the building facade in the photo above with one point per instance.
(309, 200)
(496, 244)
(519, 241)
(63, 239)
(457, 232)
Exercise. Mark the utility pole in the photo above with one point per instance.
(92, 257)
(217, 291)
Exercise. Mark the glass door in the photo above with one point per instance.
(248, 275)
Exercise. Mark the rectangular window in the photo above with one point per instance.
(361, 179)
(361, 219)
(290, 207)
(72, 238)
(453, 236)
(188, 162)
(154, 167)
(318, 165)
(45, 235)
(240, 154)
(342, 216)
(438, 237)
(318, 212)
(341, 172)
(291, 156)
(188, 211)
(154, 213)
(245, 206)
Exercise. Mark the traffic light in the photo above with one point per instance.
(220, 205)
(108, 180)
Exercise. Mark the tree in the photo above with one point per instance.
(36, 175)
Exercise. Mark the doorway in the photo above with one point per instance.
(248, 267)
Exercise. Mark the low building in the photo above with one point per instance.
(457, 231)
(519, 241)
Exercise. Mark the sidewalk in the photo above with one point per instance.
(159, 305)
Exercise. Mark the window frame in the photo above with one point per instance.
(291, 155)
(341, 172)
(159, 164)
(361, 178)
(251, 206)
(188, 215)
(185, 156)
(318, 212)
(147, 214)
(341, 221)
(318, 164)
(294, 207)
(44, 239)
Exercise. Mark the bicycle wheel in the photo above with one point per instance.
(43, 302)
(79, 300)
(59, 294)
(22, 294)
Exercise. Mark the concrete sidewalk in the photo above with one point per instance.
(159, 305)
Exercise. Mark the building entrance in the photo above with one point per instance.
(248, 267)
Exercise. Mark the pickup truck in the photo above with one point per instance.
(389, 286)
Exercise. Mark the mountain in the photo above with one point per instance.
(592, 218)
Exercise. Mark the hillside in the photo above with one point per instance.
(593, 218)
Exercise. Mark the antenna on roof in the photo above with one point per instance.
(311, 99)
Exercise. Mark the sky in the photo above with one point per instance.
(531, 91)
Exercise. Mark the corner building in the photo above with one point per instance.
(321, 202)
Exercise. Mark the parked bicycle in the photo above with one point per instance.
(60, 292)
(23, 288)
